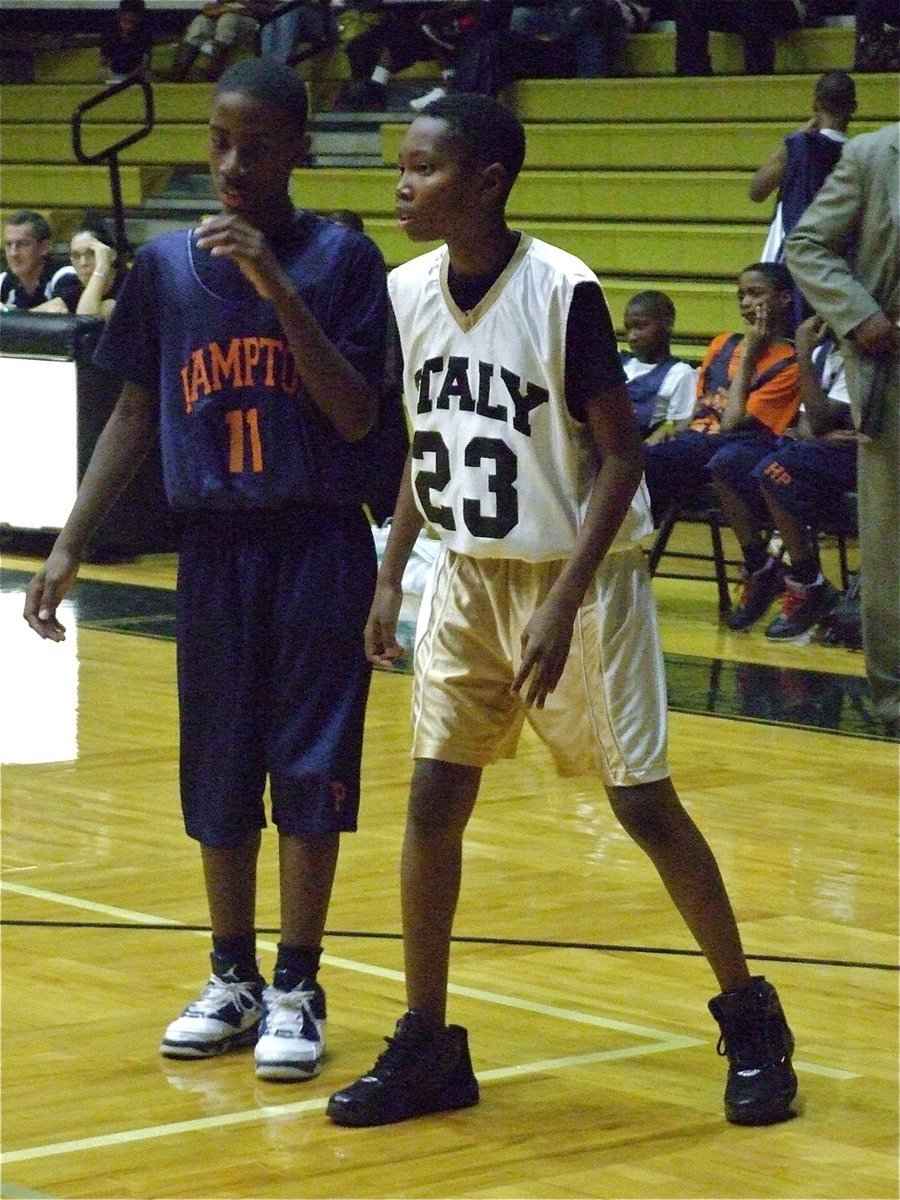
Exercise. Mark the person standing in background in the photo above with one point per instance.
(126, 46)
(844, 254)
(801, 164)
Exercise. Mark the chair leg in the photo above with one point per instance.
(658, 549)
(715, 534)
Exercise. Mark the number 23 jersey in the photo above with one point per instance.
(500, 467)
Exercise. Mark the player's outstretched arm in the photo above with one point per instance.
(119, 451)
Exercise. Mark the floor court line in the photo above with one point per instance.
(276, 1111)
(657, 1040)
(663, 1038)
(347, 964)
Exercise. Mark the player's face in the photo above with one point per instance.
(436, 192)
(83, 255)
(645, 333)
(25, 254)
(251, 157)
(757, 294)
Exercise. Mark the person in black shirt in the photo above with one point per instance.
(31, 276)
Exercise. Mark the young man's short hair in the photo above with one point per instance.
(270, 81)
(655, 304)
(40, 230)
(777, 274)
(485, 128)
(836, 93)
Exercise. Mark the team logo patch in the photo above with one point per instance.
(338, 794)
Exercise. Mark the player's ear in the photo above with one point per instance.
(495, 183)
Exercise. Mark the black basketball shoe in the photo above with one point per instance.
(425, 1069)
(758, 1043)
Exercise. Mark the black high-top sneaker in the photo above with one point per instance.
(425, 1069)
(759, 1044)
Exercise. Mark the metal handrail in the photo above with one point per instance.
(110, 154)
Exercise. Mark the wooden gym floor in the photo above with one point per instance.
(584, 997)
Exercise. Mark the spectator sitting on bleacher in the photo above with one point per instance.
(580, 39)
(791, 490)
(403, 36)
(299, 32)
(213, 34)
(90, 291)
(662, 387)
(32, 275)
(127, 45)
(877, 36)
(748, 394)
(802, 163)
(756, 21)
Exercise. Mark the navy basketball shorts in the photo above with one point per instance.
(808, 478)
(272, 673)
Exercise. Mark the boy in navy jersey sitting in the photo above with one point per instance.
(254, 344)
(661, 386)
(526, 460)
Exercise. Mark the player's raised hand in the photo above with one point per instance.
(46, 591)
(229, 235)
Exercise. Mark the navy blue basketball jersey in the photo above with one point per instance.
(237, 428)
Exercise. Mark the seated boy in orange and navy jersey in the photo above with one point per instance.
(748, 394)
(792, 490)
(662, 387)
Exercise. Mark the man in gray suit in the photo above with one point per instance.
(845, 256)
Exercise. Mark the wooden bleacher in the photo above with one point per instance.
(644, 177)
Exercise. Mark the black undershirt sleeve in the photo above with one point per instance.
(592, 355)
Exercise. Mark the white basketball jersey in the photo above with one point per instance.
(500, 468)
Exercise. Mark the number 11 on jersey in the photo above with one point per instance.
(243, 434)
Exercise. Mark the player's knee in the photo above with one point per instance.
(651, 813)
(442, 796)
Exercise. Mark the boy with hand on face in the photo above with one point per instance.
(254, 344)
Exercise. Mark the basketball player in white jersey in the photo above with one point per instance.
(526, 459)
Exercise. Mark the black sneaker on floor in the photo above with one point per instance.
(804, 605)
(757, 593)
(758, 1043)
(425, 1069)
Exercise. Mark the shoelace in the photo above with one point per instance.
(399, 1053)
(747, 1044)
(283, 1008)
(220, 992)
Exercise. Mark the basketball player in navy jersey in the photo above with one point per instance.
(255, 344)
(526, 459)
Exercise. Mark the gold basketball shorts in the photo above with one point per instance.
(607, 715)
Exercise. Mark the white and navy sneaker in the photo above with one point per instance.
(224, 1016)
(292, 1033)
